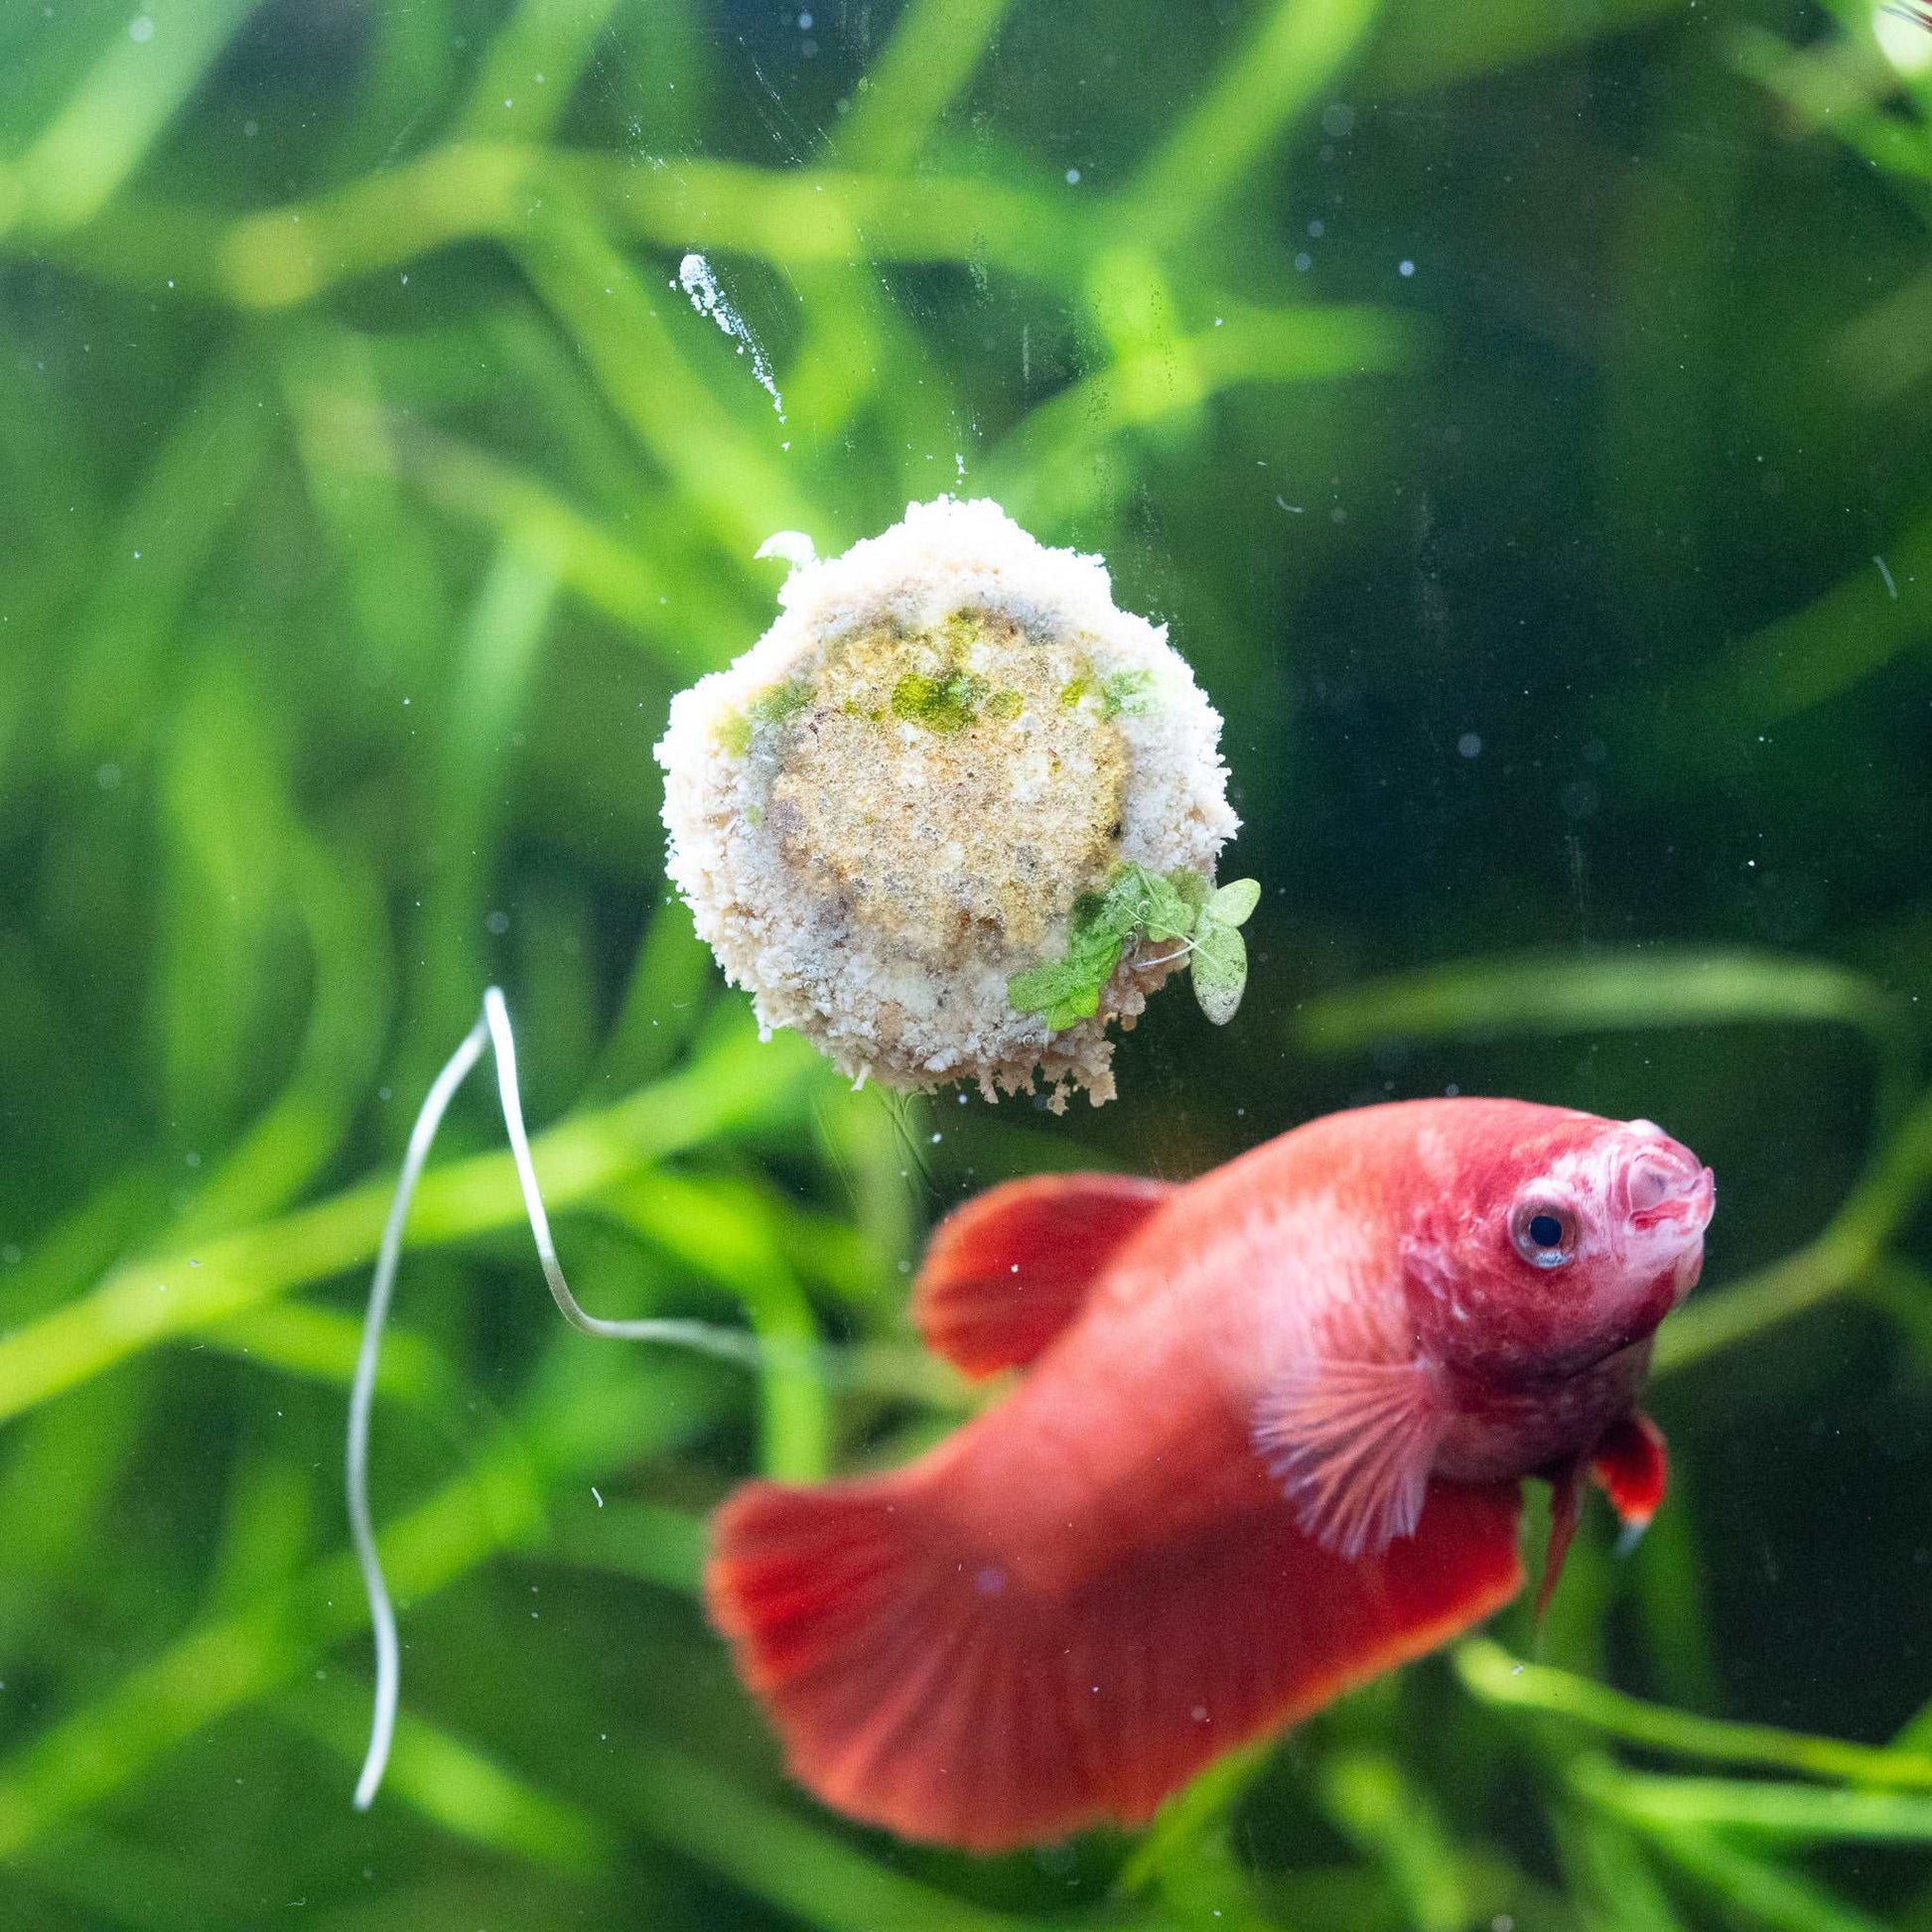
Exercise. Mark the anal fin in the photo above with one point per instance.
(1006, 1272)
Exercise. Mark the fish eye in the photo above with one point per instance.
(1544, 1233)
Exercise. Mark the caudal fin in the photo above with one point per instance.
(921, 1683)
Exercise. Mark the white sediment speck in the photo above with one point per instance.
(794, 546)
(701, 285)
(889, 805)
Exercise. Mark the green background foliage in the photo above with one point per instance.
(370, 486)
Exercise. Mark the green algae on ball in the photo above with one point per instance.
(894, 806)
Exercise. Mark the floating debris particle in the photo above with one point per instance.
(701, 285)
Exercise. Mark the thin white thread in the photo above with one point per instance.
(492, 1030)
(1169, 958)
(728, 1342)
(361, 1395)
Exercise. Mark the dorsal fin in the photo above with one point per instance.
(1006, 1273)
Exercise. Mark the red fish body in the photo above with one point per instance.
(1269, 1445)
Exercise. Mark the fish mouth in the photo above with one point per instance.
(1666, 1187)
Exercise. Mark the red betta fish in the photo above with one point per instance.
(1270, 1445)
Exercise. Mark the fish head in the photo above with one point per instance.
(1553, 1240)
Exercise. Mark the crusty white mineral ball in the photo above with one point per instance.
(889, 805)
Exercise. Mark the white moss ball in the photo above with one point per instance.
(890, 805)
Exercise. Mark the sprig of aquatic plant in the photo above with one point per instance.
(1491, 1673)
(1138, 904)
(1530, 994)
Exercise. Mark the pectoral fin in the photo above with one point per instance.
(1352, 1443)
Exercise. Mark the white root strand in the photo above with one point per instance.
(492, 1030)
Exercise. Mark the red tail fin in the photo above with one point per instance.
(1006, 1272)
(922, 1685)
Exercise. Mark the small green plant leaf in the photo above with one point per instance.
(1139, 902)
(1220, 966)
(1195, 887)
(1234, 902)
(1065, 990)
(1164, 913)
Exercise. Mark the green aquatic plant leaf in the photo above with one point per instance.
(1143, 905)
(1491, 1674)
(1220, 970)
(1067, 991)
(1196, 888)
(1234, 904)
(1629, 989)
(1161, 911)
